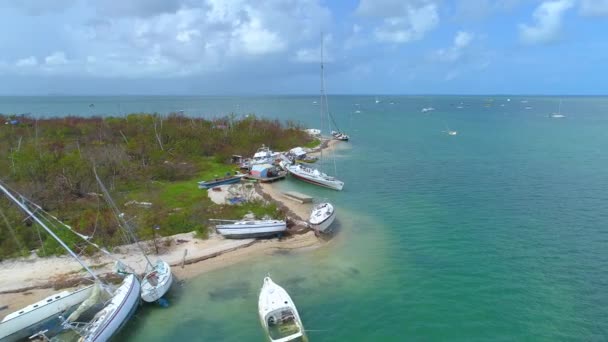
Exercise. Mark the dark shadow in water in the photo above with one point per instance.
(239, 289)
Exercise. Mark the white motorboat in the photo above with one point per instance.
(322, 216)
(113, 316)
(263, 156)
(29, 320)
(156, 282)
(250, 228)
(427, 109)
(278, 314)
(377, 100)
(314, 176)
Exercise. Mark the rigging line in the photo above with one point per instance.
(35, 218)
(124, 224)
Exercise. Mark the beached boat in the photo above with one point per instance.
(263, 156)
(157, 278)
(249, 227)
(115, 312)
(322, 216)
(42, 315)
(314, 176)
(278, 314)
(228, 179)
(340, 135)
(114, 315)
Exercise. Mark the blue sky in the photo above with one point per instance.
(272, 47)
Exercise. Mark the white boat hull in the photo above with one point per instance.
(253, 230)
(157, 282)
(333, 184)
(274, 301)
(117, 312)
(325, 225)
(27, 321)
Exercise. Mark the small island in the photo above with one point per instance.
(151, 165)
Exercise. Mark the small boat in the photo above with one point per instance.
(228, 179)
(314, 176)
(322, 216)
(427, 109)
(156, 282)
(377, 100)
(340, 136)
(559, 114)
(278, 314)
(249, 227)
(263, 156)
(449, 131)
(30, 320)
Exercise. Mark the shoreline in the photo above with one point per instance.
(24, 281)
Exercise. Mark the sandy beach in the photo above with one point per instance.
(27, 280)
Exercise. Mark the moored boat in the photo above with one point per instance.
(250, 228)
(322, 216)
(340, 136)
(278, 314)
(228, 179)
(314, 176)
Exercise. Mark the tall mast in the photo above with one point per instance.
(321, 105)
(27, 211)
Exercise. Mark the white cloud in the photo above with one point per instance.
(548, 22)
(594, 7)
(56, 58)
(402, 21)
(27, 62)
(313, 55)
(462, 40)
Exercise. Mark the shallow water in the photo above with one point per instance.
(497, 233)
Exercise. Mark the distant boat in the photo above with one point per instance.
(559, 114)
(528, 108)
(340, 136)
(249, 227)
(377, 100)
(322, 216)
(427, 109)
(228, 179)
(278, 314)
(357, 111)
(449, 131)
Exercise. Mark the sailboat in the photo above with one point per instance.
(322, 216)
(278, 314)
(309, 174)
(449, 131)
(559, 114)
(157, 278)
(121, 304)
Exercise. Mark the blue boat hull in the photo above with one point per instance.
(211, 184)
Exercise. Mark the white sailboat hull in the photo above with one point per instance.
(261, 229)
(322, 223)
(116, 313)
(25, 322)
(157, 282)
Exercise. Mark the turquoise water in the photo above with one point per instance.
(498, 233)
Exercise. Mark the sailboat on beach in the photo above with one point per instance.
(118, 303)
(157, 279)
(309, 174)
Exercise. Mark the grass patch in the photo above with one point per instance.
(313, 143)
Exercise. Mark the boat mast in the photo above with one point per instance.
(121, 221)
(32, 215)
(324, 102)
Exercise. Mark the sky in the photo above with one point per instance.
(242, 47)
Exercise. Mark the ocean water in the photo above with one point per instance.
(497, 233)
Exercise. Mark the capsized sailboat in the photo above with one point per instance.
(278, 314)
(123, 300)
(157, 278)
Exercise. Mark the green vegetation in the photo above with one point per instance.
(313, 143)
(139, 157)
